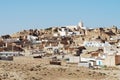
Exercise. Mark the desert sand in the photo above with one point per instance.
(28, 68)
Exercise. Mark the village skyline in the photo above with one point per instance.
(30, 14)
(64, 50)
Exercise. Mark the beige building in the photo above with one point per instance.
(112, 60)
(109, 60)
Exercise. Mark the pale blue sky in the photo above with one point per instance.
(16, 15)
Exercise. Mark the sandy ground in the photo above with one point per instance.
(27, 68)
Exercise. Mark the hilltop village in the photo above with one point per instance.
(74, 44)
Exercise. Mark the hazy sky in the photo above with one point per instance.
(16, 15)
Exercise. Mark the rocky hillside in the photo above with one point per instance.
(46, 37)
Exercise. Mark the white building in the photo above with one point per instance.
(31, 38)
(80, 25)
(62, 31)
(72, 27)
(69, 30)
(95, 44)
(55, 34)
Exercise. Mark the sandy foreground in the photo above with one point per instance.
(28, 68)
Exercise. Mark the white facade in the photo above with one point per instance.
(99, 62)
(70, 33)
(11, 40)
(55, 34)
(72, 27)
(93, 44)
(30, 37)
(63, 31)
(77, 33)
(77, 59)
